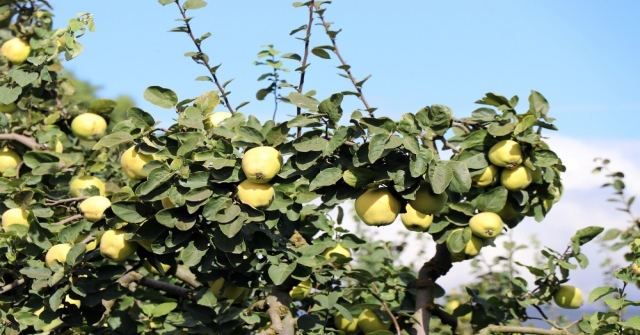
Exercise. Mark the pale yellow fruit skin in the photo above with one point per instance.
(58, 253)
(345, 325)
(114, 246)
(167, 203)
(14, 216)
(338, 249)
(369, 322)
(79, 184)
(256, 195)
(487, 177)
(261, 164)
(16, 50)
(506, 154)
(487, 224)
(300, 291)
(568, 297)
(635, 268)
(215, 118)
(132, 163)
(232, 292)
(8, 159)
(516, 179)
(89, 126)
(59, 147)
(428, 203)
(91, 245)
(377, 207)
(414, 220)
(472, 249)
(152, 269)
(93, 207)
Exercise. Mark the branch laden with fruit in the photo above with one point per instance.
(238, 221)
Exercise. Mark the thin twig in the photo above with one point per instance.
(387, 309)
(155, 284)
(69, 219)
(204, 60)
(304, 58)
(345, 65)
(27, 141)
(522, 330)
(62, 201)
(13, 285)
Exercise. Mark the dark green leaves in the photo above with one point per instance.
(331, 107)
(113, 139)
(160, 96)
(326, 177)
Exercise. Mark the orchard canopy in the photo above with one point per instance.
(221, 223)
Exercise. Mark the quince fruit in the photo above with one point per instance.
(568, 297)
(115, 247)
(256, 195)
(341, 254)
(427, 202)
(16, 50)
(77, 186)
(369, 321)
(487, 177)
(91, 245)
(15, 216)
(231, 292)
(9, 159)
(215, 118)
(93, 207)
(348, 327)
(507, 153)
(377, 207)
(516, 179)
(472, 249)
(152, 269)
(301, 290)
(8, 108)
(89, 126)
(261, 164)
(132, 163)
(486, 224)
(58, 253)
(414, 220)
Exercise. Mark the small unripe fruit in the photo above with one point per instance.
(427, 202)
(569, 297)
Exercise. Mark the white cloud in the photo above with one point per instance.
(583, 204)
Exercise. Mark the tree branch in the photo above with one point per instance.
(13, 285)
(170, 289)
(438, 266)
(345, 65)
(183, 273)
(62, 201)
(27, 141)
(204, 58)
(523, 330)
(387, 309)
(69, 219)
(303, 65)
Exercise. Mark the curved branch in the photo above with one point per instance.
(523, 330)
(387, 309)
(62, 201)
(68, 220)
(25, 140)
(170, 289)
(13, 285)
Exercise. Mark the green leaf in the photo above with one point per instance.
(457, 241)
(600, 292)
(526, 123)
(166, 2)
(130, 211)
(442, 176)
(320, 52)
(545, 158)
(376, 146)
(9, 95)
(191, 255)
(613, 303)
(538, 104)
(163, 308)
(193, 4)
(208, 101)
(280, 272)
(76, 253)
(36, 272)
(496, 129)
(112, 140)
(419, 162)
(250, 134)
(585, 235)
(102, 106)
(632, 322)
(140, 117)
(483, 115)
(326, 177)
(493, 200)
(461, 181)
(331, 107)
(358, 177)
(303, 101)
(160, 96)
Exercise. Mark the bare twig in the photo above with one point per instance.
(13, 285)
(523, 330)
(68, 220)
(303, 65)
(345, 65)
(62, 201)
(387, 309)
(171, 289)
(26, 140)
(204, 59)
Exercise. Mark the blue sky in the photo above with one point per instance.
(583, 56)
